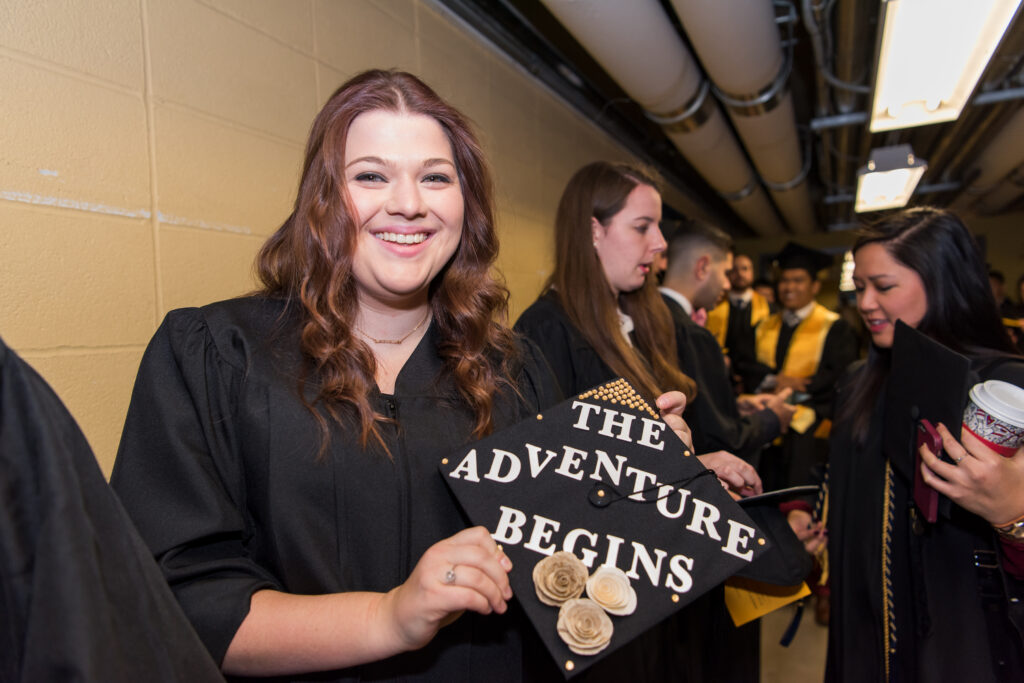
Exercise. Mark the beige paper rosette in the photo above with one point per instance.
(609, 587)
(584, 626)
(559, 577)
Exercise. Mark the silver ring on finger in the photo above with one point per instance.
(449, 576)
(957, 461)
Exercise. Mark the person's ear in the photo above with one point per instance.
(815, 287)
(596, 230)
(702, 267)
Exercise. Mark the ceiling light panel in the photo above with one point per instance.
(931, 56)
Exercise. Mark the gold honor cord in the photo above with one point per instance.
(888, 615)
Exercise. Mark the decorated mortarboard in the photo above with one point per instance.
(795, 255)
(611, 522)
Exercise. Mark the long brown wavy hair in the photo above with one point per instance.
(599, 190)
(308, 261)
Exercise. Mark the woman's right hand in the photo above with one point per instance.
(428, 601)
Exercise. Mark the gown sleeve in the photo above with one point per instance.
(80, 596)
(180, 475)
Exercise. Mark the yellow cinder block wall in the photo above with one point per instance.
(148, 147)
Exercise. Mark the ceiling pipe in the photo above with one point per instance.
(637, 45)
(852, 67)
(992, 167)
(753, 85)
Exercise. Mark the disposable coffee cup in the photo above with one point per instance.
(995, 416)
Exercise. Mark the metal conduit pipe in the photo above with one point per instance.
(753, 84)
(636, 44)
(1001, 157)
(850, 66)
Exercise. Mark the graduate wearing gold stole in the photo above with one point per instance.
(732, 321)
(805, 347)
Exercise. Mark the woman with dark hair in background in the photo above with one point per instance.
(280, 451)
(911, 600)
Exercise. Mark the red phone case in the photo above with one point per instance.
(925, 497)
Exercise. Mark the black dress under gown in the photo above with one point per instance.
(953, 621)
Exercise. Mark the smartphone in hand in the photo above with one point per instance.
(925, 497)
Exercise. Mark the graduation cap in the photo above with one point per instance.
(597, 498)
(928, 381)
(795, 255)
(786, 563)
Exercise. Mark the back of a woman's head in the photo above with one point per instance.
(935, 244)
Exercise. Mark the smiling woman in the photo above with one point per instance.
(280, 452)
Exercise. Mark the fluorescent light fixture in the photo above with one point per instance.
(889, 179)
(931, 55)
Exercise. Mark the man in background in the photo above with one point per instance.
(805, 348)
(732, 322)
(699, 255)
(699, 258)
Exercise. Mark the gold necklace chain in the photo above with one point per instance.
(393, 341)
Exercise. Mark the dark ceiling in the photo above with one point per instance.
(530, 35)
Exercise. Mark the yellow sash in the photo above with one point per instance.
(718, 321)
(805, 347)
(802, 356)
(718, 317)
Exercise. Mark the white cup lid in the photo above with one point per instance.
(1001, 400)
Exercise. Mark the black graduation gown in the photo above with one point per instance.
(721, 427)
(218, 467)
(80, 596)
(575, 363)
(942, 632)
(801, 456)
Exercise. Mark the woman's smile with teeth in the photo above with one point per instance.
(401, 238)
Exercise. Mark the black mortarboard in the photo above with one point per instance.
(786, 563)
(929, 381)
(795, 255)
(602, 476)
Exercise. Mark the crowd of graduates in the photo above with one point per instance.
(279, 456)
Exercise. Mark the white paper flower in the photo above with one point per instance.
(584, 626)
(609, 587)
(559, 577)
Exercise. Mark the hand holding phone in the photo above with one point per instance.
(925, 497)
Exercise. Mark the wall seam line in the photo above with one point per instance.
(147, 63)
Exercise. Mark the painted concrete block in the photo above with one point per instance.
(68, 142)
(211, 62)
(73, 279)
(198, 267)
(101, 38)
(356, 35)
(456, 66)
(290, 21)
(218, 177)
